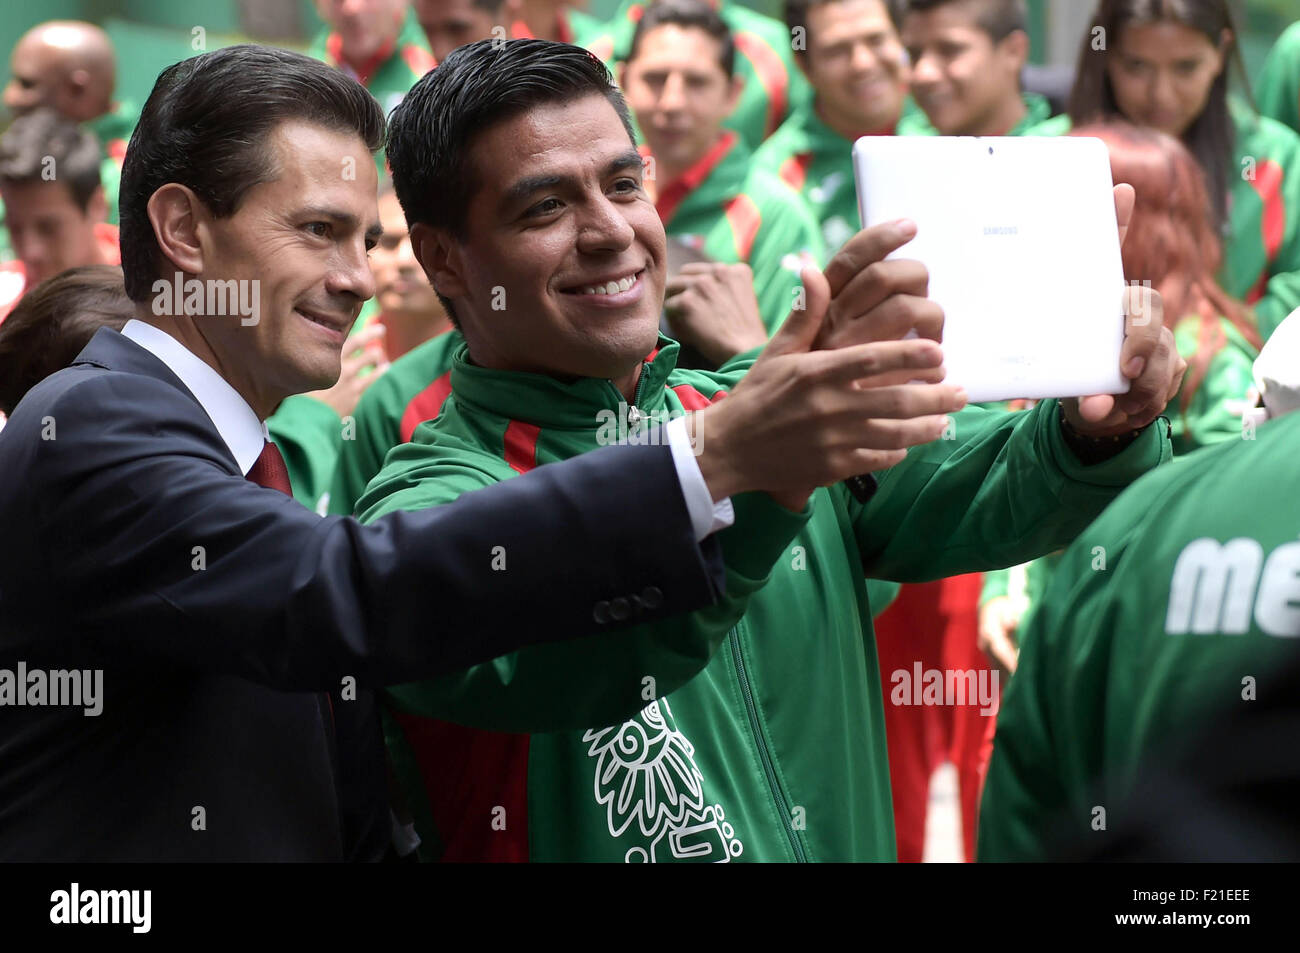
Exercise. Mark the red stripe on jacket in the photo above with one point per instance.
(794, 170)
(745, 219)
(1268, 186)
(418, 59)
(476, 781)
(771, 75)
(477, 786)
(426, 405)
(692, 399)
(521, 445)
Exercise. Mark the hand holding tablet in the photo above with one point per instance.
(1033, 305)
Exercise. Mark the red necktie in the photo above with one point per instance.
(269, 470)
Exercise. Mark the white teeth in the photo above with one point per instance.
(610, 287)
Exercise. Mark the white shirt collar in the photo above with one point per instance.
(238, 425)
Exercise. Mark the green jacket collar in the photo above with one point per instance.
(550, 403)
(716, 178)
(1038, 109)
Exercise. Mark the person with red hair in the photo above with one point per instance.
(1171, 243)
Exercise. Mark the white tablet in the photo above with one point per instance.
(1020, 240)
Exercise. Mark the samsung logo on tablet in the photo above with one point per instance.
(1001, 230)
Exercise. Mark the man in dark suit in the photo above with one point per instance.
(209, 616)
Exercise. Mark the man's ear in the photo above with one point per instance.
(1015, 49)
(439, 255)
(174, 212)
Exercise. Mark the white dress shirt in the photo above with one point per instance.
(245, 435)
(238, 425)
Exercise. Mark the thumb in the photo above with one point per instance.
(797, 334)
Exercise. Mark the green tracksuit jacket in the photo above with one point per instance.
(1212, 416)
(734, 214)
(1038, 111)
(1195, 607)
(1278, 89)
(390, 78)
(411, 391)
(773, 88)
(776, 750)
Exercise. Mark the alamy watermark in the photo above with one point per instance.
(23, 687)
(209, 297)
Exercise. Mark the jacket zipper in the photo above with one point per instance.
(782, 804)
(634, 413)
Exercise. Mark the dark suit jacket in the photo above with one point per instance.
(116, 488)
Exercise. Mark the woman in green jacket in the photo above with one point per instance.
(1166, 66)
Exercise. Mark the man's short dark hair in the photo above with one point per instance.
(796, 15)
(206, 124)
(52, 323)
(433, 130)
(687, 14)
(998, 18)
(43, 146)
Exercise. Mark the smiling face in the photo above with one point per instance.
(964, 82)
(856, 63)
(680, 93)
(1162, 73)
(303, 237)
(561, 270)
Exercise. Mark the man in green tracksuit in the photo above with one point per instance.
(855, 62)
(966, 58)
(1278, 89)
(1174, 607)
(382, 47)
(679, 83)
(776, 750)
(772, 88)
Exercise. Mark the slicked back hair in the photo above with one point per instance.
(206, 126)
(432, 132)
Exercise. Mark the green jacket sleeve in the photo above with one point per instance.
(1005, 489)
(308, 434)
(594, 681)
(1278, 89)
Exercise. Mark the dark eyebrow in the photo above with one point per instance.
(520, 190)
(346, 219)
